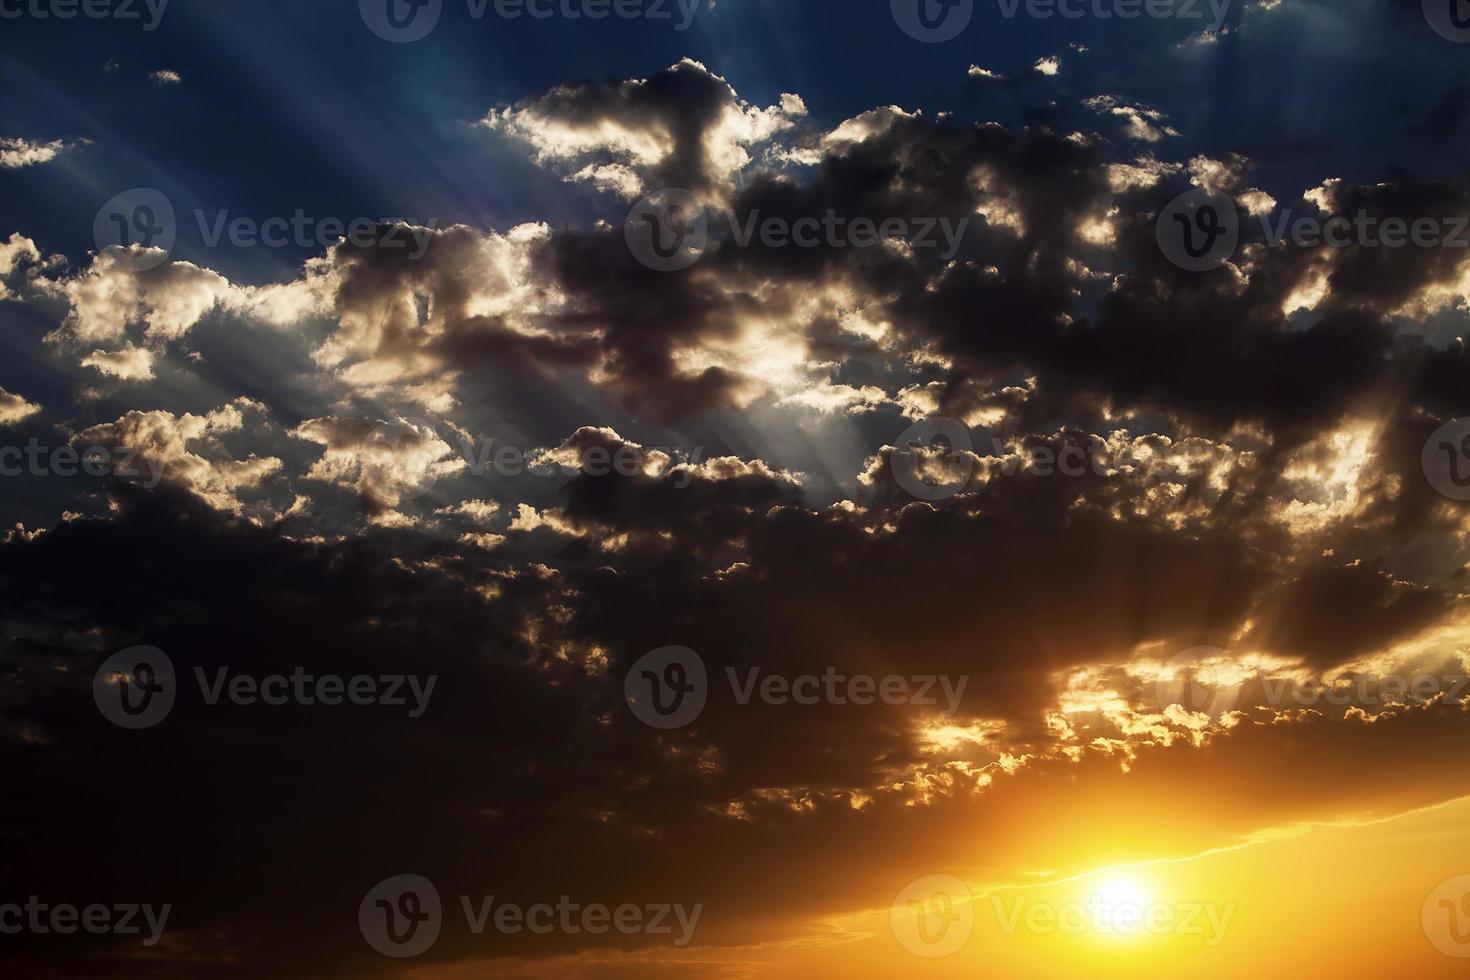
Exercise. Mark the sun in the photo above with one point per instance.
(1119, 905)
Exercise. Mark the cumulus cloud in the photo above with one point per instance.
(185, 450)
(129, 363)
(124, 312)
(382, 461)
(16, 152)
(14, 408)
(16, 253)
(683, 127)
(1139, 122)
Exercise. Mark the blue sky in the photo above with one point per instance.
(287, 105)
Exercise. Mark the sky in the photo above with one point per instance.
(734, 488)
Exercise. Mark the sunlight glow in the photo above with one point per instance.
(1120, 903)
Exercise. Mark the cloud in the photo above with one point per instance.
(1251, 480)
(1140, 122)
(112, 293)
(14, 408)
(186, 451)
(383, 461)
(128, 364)
(126, 316)
(15, 253)
(16, 152)
(682, 127)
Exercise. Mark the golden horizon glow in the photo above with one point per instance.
(1379, 903)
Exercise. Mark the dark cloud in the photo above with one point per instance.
(1252, 481)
